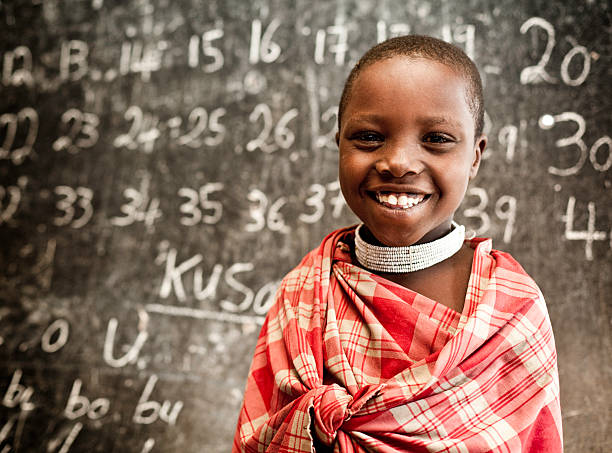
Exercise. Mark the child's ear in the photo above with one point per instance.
(479, 147)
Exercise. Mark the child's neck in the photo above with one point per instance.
(454, 272)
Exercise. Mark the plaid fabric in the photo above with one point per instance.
(367, 365)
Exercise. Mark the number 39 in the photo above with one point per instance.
(505, 209)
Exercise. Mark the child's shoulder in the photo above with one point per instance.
(316, 264)
(505, 273)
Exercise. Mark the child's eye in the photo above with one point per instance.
(438, 138)
(367, 137)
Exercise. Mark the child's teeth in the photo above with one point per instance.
(401, 200)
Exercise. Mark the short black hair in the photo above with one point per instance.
(419, 46)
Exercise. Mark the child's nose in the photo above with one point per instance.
(400, 160)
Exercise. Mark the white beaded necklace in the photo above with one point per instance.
(410, 258)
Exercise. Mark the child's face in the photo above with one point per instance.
(407, 149)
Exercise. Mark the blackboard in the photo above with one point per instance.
(164, 163)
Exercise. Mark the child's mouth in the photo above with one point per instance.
(400, 200)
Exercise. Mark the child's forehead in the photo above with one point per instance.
(400, 73)
(408, 87)
(409, 64)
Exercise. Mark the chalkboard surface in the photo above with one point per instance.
(164, 163)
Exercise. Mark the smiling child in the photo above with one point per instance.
(400, 334)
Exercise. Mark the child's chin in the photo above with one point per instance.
(386, 235)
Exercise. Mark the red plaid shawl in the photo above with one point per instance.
(371, 366)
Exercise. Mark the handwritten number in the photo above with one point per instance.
(12, 194)
(505, 209)
(11, 123)
(143, 130)
(262, 216)
(135, 115)
(262, 48)
(263, 111)
(328, 139)
(257, 210)
(198, 201)
(590, 234)
(190, 207)
(607, 141)
(140, 208)
(315, 201)
(537, 73)
(197, 119)
(84, 124)
(575, 139)
(283, 136)
(82, 197)
(478, 211)
(586, 66)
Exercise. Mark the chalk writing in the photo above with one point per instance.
(148, 411)
(589, 235)
(6, 430)
(10, 198)
(537, 73)
(464, 34)
(18, 394)
(205, 42)
(548, 121)
(82, 197)
(43, 267)
(197, 313)
(143, 130)
(265, 297)
(232, 282)
(131, 356)
(59, 328)
(11, 123)
(316, 201)
(586, 66)
(329, 116)
(283, 136)
(69, 439)
(338, 48)
(140, 208)
(17, 67)
(73, 60)
(172, 282)
(79, 405)
(141, 58)
(594, 151)
(262, 48)
(148, 445)
(384, 31)
(173, 274)
(263, 216)
(82, 133)
(199, 121)
(198, 201)
(512, 139)
(504, 209)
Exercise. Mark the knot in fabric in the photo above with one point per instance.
(333, 405)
